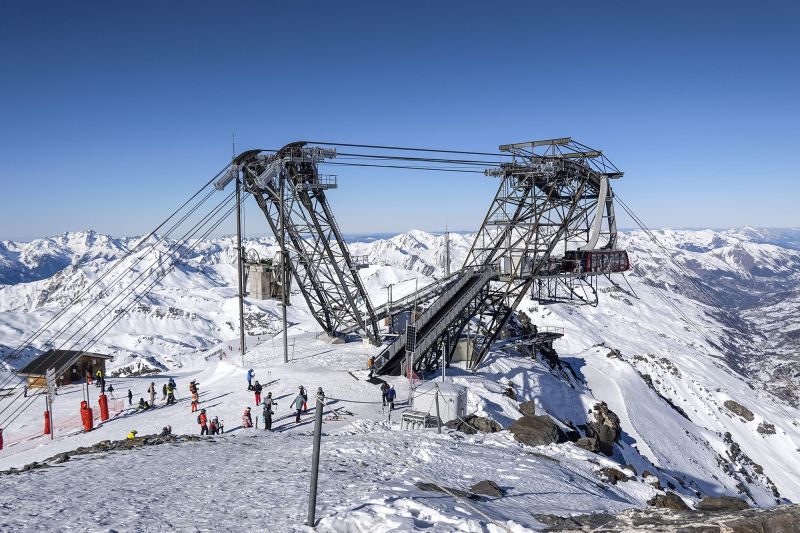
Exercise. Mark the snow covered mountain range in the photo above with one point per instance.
(695, 350)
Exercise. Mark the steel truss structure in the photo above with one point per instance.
(290, 191)
(553, 209)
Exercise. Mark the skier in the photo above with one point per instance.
(130, 398)
(304, 394)
(152, 391)
(257, 388)
(170, 393)
(164, 392)
(132, 434)
(99, 376)
(172, 382)
(299, 401)
(370, 366)
(250, 375)
(268, 403)
(390, 395)
(213, 426)
(195, 401)
(384, 389)
(24, 391)
(202, 419)
(111, 391)
(247, 420)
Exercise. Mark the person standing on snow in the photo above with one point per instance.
(152, 390)
(370, 366)
(390, 396)
(298, 402)
(111, 391)
(247, 420)
(170, 393)
(213, 427)
(257, 388)
(130, 398)
(384, 389)
(304, 394)
(250, 376)
(267, 413)
(164, 392)
(202, 419)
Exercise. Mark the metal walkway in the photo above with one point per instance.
(434, 322)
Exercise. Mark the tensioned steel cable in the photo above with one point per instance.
(176, 245)
(77, 298)
(138, 260)
(404, 167)
(26, 404)
(405, 148)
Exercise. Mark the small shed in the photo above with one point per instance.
(71, 367)
(452, 400)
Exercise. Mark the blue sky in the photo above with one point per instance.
(111, 113)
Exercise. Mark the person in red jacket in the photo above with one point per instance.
(257, 388)
(202, 419)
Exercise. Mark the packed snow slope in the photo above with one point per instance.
(703, 378)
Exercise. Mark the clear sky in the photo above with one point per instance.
(111, 113)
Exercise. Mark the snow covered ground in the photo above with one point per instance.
(666, 371)
(255, 479)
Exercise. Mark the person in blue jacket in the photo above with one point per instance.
(390, 396)
(250, 375)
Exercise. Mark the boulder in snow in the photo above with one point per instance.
(605, 427)
(536, 430)
(487, 488)
(472, 424)
(588, 443)
(669, 500)
(739, 409)
(528, 408)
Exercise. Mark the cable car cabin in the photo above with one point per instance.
(595, 261)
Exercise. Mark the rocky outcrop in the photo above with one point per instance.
(668, 500)
(472, 424)
(487, 487)
(605, 427)
(739, 409)
(528, 408)
(107, 446)
(782, 519)
(536, 431)
(588, 443)
(613, 475)
(433, 487)
(765, 428)
(722, 503)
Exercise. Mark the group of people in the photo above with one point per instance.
(300, 404)
(168, 396)
(209, 427)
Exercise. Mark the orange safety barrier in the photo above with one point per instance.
(86, 416)
(103, 403)
(47, 422)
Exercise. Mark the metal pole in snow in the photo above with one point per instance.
(239, 265)
(312, 495)
(284, 268)
(438, 418)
